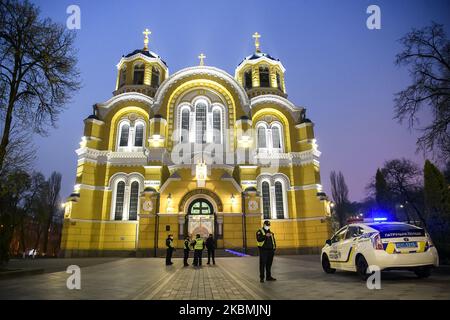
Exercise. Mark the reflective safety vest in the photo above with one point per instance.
(261, 243)
(170, 243)
(198, 244)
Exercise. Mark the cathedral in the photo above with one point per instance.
(198, 151)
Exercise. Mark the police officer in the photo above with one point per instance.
(187, 248)
(211, 247)
(199, 245)
(170, 249)
(266, 245)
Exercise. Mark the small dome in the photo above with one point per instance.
(258, 55)
(146, 53)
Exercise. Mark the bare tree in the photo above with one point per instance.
(53, 204)
(427, 53)
(37, 69)
(339, 192)
(403, 180)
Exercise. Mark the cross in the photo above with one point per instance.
(256, 36)
(146, 33)
(202, 57)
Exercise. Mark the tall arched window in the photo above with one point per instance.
(264, 78)
(124, 134)
(262, 143)
(217, 127)
(139, 135)
(266, 199)
(134, 197)
(276, 137)
(155, 77)
(279, 200)
(185, 125)
(122, 76)
(200, 123)
(120, 197)
(138, 73)
(279, 81)
(248, 82)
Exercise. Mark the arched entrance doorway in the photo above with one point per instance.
(200, 218)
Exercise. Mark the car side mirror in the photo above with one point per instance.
(328, 242)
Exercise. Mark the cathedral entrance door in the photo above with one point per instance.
(200, 218)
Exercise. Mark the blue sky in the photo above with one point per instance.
(342, 72)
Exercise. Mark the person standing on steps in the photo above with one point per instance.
(211, 247)
(266, 245)
(186, 249)
(199, 245)
(170, 249)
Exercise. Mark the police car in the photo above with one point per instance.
(387, 245)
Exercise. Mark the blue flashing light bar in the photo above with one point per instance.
(380, 219)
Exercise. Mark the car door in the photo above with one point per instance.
(347, 244)
(336, 241)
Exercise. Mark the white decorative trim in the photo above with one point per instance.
(145, 58)
(298, 219)
(307, 187)
(104, 221)
(196, 71)
(274, 99)
(90, 187)
(123, 97)
(304, 124)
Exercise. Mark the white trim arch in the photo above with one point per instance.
(272, 180)
(127, 179)
(269, 137)
(132, 135)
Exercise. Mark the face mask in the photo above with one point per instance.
(266, 228)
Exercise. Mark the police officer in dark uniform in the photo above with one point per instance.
(199, 245)
(211, 247)
(187, 248)
(266, 245)
(170, 249)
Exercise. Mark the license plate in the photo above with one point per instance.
(403, 245)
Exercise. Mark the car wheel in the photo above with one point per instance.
(361, 268)
(423, 272)
(326, 265)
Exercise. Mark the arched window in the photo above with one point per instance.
(200, 123)
(217, 127)
(134, 196)
(139, 135)
(155, 77)
(279, 81)
(122, 76)
(248, 82)
(262, 143)
(124, 134)
(266, 199)
(185, 125)
(138, 73)
(264, 78)
(276, 137)
(279, 200)
(120, 197)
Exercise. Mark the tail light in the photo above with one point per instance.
(376, 242)
(429, 243)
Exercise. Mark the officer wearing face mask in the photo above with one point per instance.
(266, 245)
(170, 249)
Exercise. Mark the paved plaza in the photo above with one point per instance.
(299, 277)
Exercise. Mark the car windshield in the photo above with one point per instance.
(395, 230)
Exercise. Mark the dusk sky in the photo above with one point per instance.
(342, 72)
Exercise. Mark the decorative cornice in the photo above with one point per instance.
(274, 99)
(124, 97)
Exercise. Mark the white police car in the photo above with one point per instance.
(387, 245)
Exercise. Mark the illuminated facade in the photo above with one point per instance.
(198, 151)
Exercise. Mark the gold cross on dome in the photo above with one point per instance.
(202, 58)
(256, 36)
(146, 33)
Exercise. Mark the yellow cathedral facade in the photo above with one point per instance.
(195, 152)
